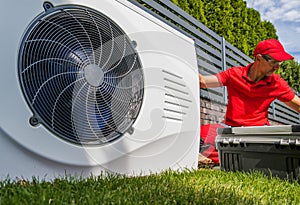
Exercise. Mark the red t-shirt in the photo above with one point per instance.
(248, 102)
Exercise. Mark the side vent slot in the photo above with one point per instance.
(177, 96)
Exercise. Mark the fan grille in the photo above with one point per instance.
(80, 75)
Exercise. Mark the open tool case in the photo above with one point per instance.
(274, 150)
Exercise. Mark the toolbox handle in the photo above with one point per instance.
(237, 141)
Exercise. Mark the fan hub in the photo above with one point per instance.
(94, 75)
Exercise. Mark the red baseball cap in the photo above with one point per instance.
(273, 48)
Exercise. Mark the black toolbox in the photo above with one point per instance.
(273, 150)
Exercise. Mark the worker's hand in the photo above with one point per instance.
(201, 81)
(208, 81)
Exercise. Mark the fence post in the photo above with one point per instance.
(224, 67)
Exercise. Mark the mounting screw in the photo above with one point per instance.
(33, 121)
(130, 130)
(134, 44)
(47, 5)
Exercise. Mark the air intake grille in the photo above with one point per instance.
(80, 75)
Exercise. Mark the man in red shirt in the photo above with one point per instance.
(253, 88)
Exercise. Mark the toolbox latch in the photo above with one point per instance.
(285, 142)
(288, 142)
(231, 141)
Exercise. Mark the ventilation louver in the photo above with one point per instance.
(80, 75)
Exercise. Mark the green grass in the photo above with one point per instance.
(203, 186)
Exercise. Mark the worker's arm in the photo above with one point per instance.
(294, 103)
(210, 81)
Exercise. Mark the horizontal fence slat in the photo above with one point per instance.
(208, 49)
(191, 19)
(209, 68)
(234, 52)
(183, 23)
(237, 60)
(210, 96)
(201, 53)
(281, 107)
(283, 120)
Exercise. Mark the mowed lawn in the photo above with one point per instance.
(202, 186)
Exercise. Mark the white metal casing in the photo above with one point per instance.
(157, 143)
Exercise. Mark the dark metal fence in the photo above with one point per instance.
(214, 53)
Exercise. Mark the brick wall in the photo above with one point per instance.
(211, 112)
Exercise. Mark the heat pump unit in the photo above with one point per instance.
(91, 87)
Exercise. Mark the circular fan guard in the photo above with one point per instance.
(80, 75)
